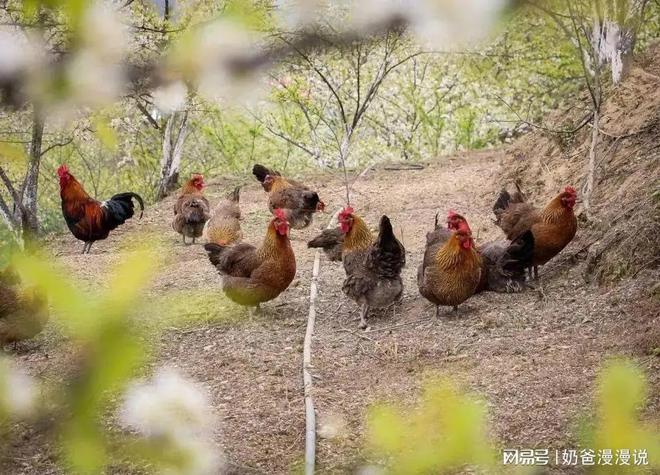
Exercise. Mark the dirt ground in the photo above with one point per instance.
(532, 356)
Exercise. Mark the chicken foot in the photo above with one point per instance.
(87, 246)
(363, 316)
(536, 272)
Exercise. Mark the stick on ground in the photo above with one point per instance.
(310, 416)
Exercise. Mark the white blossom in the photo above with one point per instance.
(16, 52)
(168, 406)
(371, 470)
(438, 23)
(198, 458)
(103, 32)
(331, 426)
(18, 392)
(94, 71)
(171, 97)
(220, 44)
(294, 14)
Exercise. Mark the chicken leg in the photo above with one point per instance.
(363, 316)
(536, 272)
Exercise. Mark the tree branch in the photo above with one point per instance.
(147, 115)
(55, 145)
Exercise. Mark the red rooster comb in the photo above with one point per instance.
(451, 214)
(62, 170)
(279, 214)
(570, 189)
(346, 211)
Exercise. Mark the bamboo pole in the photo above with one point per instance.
(310, 415)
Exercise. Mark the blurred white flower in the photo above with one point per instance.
(294, 14)
(92, 80)
(18, 392)
(371, 470)
(94, 71)
(212, 59)
(170, 97)
(103, 32)
(331, 426)
(15, 52)
(197, 458)
(438, 23)
(168, 406)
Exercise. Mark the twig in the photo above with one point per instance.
(310, 416)
(644, 266)
(55, 145)
(404, 324)
(359, 334)
(403, 167)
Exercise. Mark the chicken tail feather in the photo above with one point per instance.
(119, 208)
(519, 255)
(215, 252)
(388, 256)
(501, 204)
(234, 195)
(260, 172)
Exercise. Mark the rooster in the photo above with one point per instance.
(373, 266)
(224, 227)
(90, 220)
(191, 210)
(23, 310)
(503, 263)
(297, 200)
(331, 241)
(451, 269)
(252, 275)
(553, 227)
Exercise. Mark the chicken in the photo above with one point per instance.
(331, 241)
(373, 267)
(23, 310)
(503, 263)
(191, 210)
(506, 198)
(253, 275)
(451, 269)
(553, 227)
(297, 200)
(224, 227)
(90, 220)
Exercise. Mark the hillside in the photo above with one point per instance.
(532, 356)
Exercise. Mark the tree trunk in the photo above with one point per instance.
(591, 167)
(344, 150)
(173, 138)
(30, 188)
